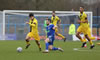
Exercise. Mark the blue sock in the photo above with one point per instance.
(54, 48)
(47, 44)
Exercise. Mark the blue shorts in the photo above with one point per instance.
(51, 38)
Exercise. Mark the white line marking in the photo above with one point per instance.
(79, 49)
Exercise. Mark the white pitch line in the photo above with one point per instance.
(79, 49)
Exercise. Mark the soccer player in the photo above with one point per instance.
(45, 25)
(50, 37)
(33, 23)
(83, 28)
(55, 19)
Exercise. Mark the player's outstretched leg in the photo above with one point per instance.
(92, 38)
(78, 36)
(55, 48)
(27, 39)
(60, 35)
(39, 45)
(28, 43)
(90, 41)
(60, 49)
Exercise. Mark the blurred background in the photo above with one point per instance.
(47, 5)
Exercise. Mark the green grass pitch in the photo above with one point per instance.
(8, 51)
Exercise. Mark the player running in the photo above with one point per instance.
(33, 23)
(83, 28)
(55, 20)
(50, 37)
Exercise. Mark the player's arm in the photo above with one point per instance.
(79, 20)
(51, 20)
(54, 27)
(27, 22)
(86, 21)
(59, 22)
(33, 24)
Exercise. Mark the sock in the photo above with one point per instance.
(92, 38)
(27, 42)
(54, 48)
(91, 43)
(47, 45)
(82, 40)
(39, 46)
(60, 35)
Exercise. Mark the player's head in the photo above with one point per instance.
(53, 13)
(72, 22)
(48, 21)
(81, 8)
(31, 15)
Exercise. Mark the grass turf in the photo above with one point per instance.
(8, 51)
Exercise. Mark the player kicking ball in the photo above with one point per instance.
(50, 37)
(33, 23)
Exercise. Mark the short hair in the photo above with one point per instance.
(53, 11)
(82, 7)
(31, 14)
(49, 20)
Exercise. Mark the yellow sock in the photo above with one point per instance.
(92, 38)
(60, 35)
(82, 40)
(27, 42)
(91, 43)
(39, 46)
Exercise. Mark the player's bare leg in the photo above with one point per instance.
(78, 36)
(39, 45)
(92, 38)
(60, 35)
(90, 41)
(27, 42)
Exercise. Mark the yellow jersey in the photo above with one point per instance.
(33, 25)
(55, 20)
(83, 17)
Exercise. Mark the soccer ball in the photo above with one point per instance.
(19, 49)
